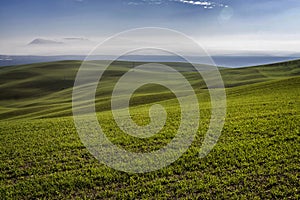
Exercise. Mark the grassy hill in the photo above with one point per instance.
(257, 155)
(32, 90)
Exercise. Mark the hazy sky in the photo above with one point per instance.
(219, 25)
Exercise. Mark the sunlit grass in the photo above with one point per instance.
(257, 155)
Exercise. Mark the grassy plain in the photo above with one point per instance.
(257, 155)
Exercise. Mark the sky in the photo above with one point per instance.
(221, 26)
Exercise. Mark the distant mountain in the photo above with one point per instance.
(221, 61)
(6, 60)
(40, 41)
(230, 61)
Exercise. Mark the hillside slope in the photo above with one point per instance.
(45, 89)
(256, 157)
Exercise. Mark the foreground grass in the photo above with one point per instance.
(257, 155)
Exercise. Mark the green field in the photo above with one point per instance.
(256, 157)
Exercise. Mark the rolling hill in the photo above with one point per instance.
(257, 155)
(34, 88)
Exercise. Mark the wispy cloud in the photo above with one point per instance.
(203, 4)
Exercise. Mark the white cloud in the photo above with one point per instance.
(218, 44)
(260, 42)
(203, 4)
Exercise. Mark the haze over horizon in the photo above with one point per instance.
(74, 27)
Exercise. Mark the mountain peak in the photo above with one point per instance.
(39, 41)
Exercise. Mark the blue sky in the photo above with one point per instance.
(220, 25)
